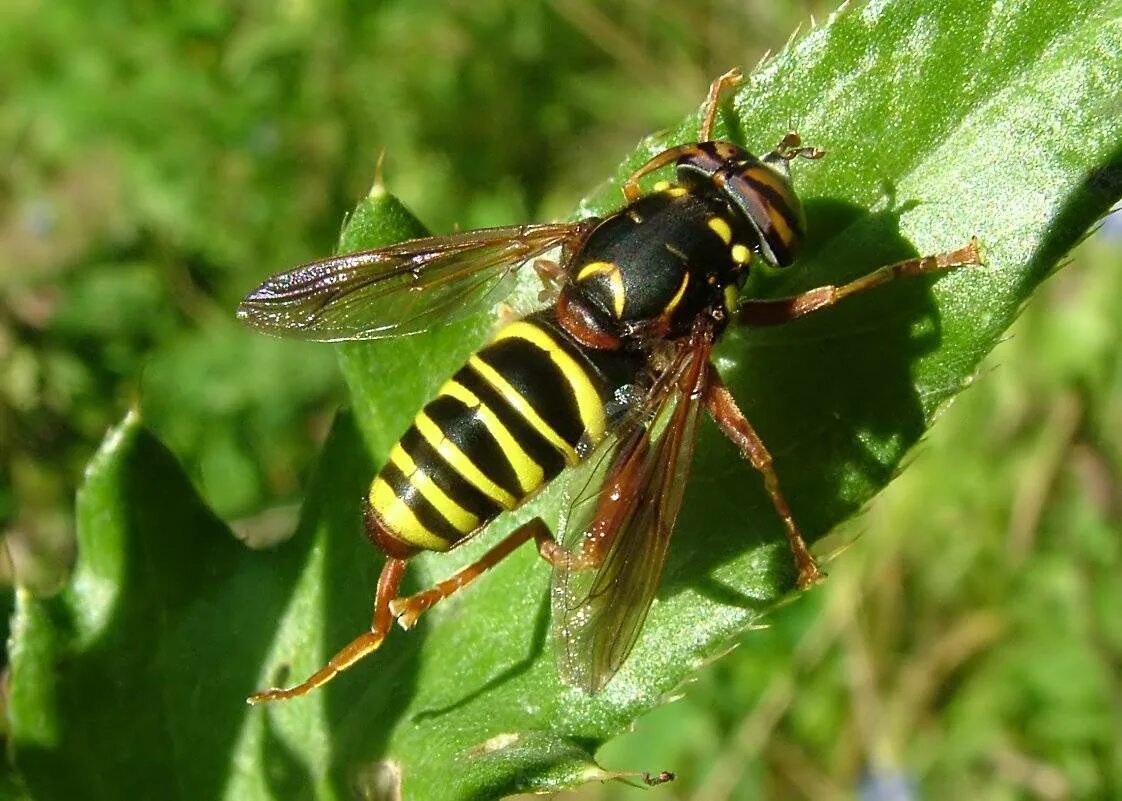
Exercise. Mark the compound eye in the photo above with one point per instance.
(727, 151)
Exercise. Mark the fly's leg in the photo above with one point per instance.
(737, 428)
(631, 189)
(729, 80)
(366, 643)
(408, 609)
(773, 312)
(552, 277)
(732, 78)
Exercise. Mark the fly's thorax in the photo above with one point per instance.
(653, 267)
(757, 190)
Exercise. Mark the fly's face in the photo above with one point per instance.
(758, 190)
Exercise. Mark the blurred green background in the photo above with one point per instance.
(160, 159)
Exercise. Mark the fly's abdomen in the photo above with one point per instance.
(525, 406)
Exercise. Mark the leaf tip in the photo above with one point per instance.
(378, 187)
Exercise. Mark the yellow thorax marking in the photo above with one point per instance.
(674, 301)
(615, 282)
(741, 254)
(732, 297)
(721, 229)
(667, 188)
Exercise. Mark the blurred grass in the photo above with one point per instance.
(159, 160)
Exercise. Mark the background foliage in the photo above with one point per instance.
(159, 162)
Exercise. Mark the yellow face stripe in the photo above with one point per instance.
(674, 301)
(741, 254)
(675, 191)
(461, 463)
(768, 177)
(721, 229)
(661, 186)
(588, 399)
(459, 517)
(615, 282)
(779, 222)
(530, 474)
(400, 520)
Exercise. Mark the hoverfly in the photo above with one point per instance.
(612, 375)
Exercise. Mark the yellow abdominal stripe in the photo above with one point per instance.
(529, 414)
(461, 463)
(615, 282)
(530, 474)
(399, 518)
(589, 405)
(457, 516)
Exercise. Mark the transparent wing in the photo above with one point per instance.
(403, 288)
(619, 524)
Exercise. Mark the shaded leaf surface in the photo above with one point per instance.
(941, 120)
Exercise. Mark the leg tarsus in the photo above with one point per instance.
(505, 313)
(781, 310)
(366, 643)
(631, 189)
(552, 277)
(736, 427)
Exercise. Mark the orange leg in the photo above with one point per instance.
(362, 645)
(631, 188)
(737, 428)
(408, 609)
(773, 312)
(729, 80)
(552, 277)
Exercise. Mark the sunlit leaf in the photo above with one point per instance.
(942, 121)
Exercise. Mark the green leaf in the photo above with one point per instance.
(942, 121)
(134, 677)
